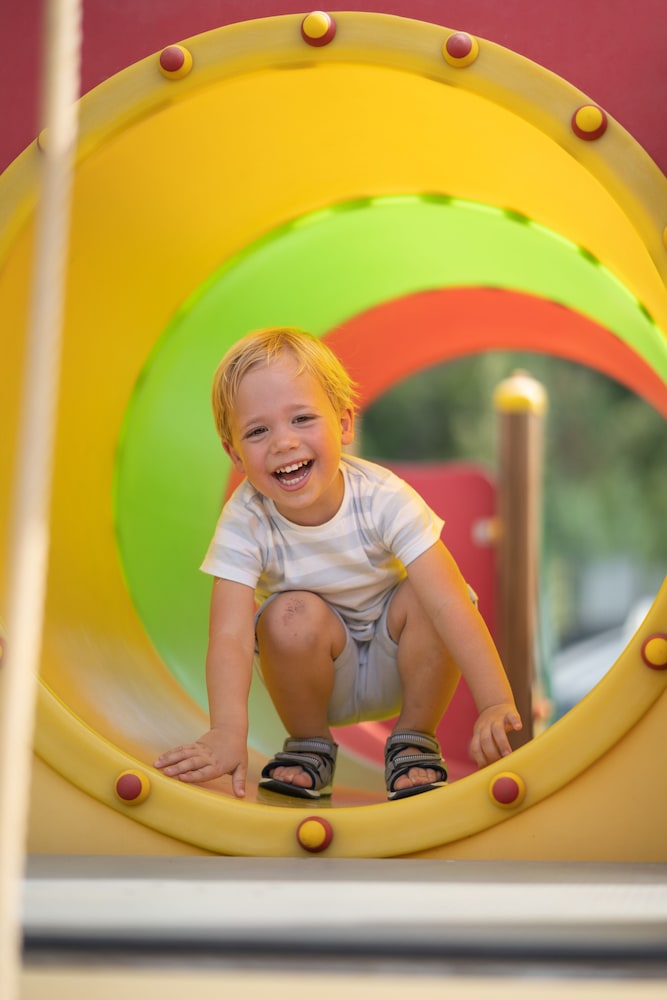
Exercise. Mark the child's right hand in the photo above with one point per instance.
(211, 756)
(489, 741)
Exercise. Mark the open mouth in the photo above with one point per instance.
(292, 475)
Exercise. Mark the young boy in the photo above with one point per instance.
(361, 613)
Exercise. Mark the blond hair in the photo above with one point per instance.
(259, 349)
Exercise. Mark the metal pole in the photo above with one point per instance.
(29, 524)
(521, 404)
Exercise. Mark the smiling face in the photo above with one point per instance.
(287, 439)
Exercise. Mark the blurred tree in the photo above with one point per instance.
(605, 459)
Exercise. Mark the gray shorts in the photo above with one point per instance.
(367, 685)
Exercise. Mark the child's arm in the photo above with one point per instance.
(444, 595)
(224, 748)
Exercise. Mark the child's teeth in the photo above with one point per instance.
(294, 473)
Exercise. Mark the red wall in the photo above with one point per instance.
(613, 50)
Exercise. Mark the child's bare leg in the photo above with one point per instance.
(299, 638)
(428, 673)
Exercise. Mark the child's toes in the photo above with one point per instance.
(293, 776)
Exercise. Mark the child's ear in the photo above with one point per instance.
(347, 426)
(235, 457)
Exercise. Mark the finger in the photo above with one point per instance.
(492, 744)
(187, 765)
(197, 775)
(500, 734)
(174, 755)
(238, 781)
(492, 751)
(513, 721)
(479, 754)
(476, 751)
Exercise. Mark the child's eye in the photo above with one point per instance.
(255, 432)
(304, 418)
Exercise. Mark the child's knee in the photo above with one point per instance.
(291, 617)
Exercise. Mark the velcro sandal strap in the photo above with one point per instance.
(316, 756)
(411, 738)
(313, 745)
(398, 761)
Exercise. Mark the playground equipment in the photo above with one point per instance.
(216, 192)
(521, 403)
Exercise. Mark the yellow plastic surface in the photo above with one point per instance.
(203, 166)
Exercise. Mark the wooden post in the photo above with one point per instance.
(29, 524)
(520, 402)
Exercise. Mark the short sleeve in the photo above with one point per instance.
(235, 552)
(408, 525)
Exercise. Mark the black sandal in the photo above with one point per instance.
(398, 762)
(316, 756)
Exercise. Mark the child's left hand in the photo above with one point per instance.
(489, 739)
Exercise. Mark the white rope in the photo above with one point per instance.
(29, 524)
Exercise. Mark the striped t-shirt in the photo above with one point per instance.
(352, 561)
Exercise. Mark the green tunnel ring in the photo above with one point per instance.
(315, 272)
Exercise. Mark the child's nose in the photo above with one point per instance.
(285, 440)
